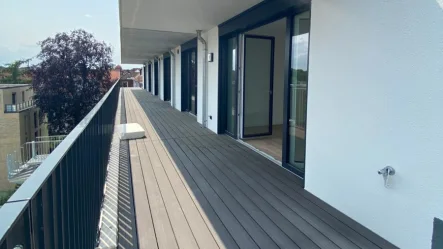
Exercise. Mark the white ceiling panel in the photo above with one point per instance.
(179, 15)
(149, 28)
(139, 45)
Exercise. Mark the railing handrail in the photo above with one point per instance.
(48, 138)
(19, 201)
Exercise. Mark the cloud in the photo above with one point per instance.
(440, 2)
(88, 16)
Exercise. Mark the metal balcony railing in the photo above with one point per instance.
(58, 206)
(9, 108)
(50, 138)
(23, 163)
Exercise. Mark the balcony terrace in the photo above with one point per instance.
(181, 186)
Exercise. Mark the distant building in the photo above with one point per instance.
(115, 73)
(20, 122)
(131, 78)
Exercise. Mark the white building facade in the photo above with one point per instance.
(334, 91)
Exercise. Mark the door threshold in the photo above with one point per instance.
(255, 137)
(192, 114)
(269, 157)
(265, 155)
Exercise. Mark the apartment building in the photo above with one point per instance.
(19, 123)
(345, 94)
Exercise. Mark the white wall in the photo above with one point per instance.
(152, 77)
(172, 78)
(277, 30)
(178, 79)
(146, 76)
(161, 83)
(375, 98)
(200, 60)
(212, 39)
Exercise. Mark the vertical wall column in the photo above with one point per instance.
(161, 83)
(146, 76)
(177, 78)
(212, 39)
(152, 76)
(143, 77)
(200, 77)
(172, 76)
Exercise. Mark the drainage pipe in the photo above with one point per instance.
(205, 78)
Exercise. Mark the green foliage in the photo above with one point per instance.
(14, 73)
(71, 77)
(299, 75)
(5, 195)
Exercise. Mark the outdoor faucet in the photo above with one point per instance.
(387, 172)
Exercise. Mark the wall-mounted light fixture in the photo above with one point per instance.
(210, 57)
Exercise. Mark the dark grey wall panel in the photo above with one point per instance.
(189, 44)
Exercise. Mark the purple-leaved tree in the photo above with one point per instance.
(71, 77)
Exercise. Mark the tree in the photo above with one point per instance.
(72, 76)
(13, 73)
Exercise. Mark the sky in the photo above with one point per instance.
(26, 22)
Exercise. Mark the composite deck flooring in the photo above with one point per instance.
(195, 189)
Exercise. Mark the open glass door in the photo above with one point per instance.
(231, 86)
(258, 85)
(298, 83)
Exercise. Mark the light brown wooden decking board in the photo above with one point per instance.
(196, 189)
(271, 145)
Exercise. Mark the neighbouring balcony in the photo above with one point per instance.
(21, 164)
(10, 108)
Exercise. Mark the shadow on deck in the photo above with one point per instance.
(195, 189)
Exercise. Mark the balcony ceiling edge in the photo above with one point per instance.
(141, 45)
(152, 27)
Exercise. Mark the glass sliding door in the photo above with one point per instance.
(167, 79)
(231, 86)
(156, 78)
(258, 85)
(150, 78)
(298, 84)
(193, 81)
(189, 81)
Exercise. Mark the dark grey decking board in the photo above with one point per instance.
(251, 202)
(302, 208)
(291, 229)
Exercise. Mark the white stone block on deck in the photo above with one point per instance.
(131, 131)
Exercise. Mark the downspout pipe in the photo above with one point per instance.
(205, 78)
(171, 52)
